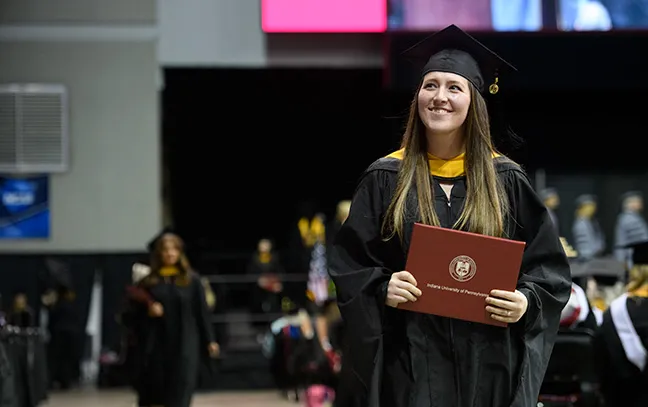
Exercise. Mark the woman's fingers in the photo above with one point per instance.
(504, 304)
(498, 311)
(409, 287)
(407, 277)
(401, 292)
(394, 300)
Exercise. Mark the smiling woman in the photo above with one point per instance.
(443, 103)
(448, 174)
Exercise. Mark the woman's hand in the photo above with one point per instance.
(506, 306)
(402, 288)
(156, 310)
(214, 349)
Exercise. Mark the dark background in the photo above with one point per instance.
(245, 146)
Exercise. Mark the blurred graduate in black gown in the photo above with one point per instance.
(63, 350)
(622, 341)
(21, 314)
(266, 293)
(172, 326)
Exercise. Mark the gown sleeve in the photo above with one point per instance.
(358, 267)
(545, 278)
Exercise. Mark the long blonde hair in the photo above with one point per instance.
(486, 203)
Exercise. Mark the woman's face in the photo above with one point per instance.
(20, 302)
(443, 102)
(170, 253)
(264, 246)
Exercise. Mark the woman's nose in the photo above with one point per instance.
(440, 95)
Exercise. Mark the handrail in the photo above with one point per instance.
(253, 278)
(10, 331)
(240, 319)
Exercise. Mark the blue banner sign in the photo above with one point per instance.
(24, 207)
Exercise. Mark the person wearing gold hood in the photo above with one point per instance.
(447, 173)
(172, 326)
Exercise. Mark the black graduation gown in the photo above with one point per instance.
(170, 347)
(622, 383)
(396, 358)
(22, 319)
(263, 301)
(63, 350)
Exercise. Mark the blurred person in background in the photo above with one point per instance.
(579, 312)
(319, 289)
(266, 296)
(318, 358)
(308, 229)
(630, 226)
(21, 314)
(620, 344)
(64, 328)
(172, 326)
(589, 240)
(551, 199)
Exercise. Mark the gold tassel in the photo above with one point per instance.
(494, 87)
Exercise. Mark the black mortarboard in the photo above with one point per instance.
(455, 51)
(151, 245)
(585, 199)
(548, 192)
(639, 252)
(631, 194)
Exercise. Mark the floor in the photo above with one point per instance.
(94, 398)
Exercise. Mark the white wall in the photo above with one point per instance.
(228, 33)
(105, 53)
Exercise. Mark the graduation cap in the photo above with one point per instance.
(453, 50)
(639, 252)
(150, 246)
(585, 199)
(631, 194)
(548, 193)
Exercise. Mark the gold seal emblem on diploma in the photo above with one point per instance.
(463, 268)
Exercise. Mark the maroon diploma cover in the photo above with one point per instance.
(457, 270)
